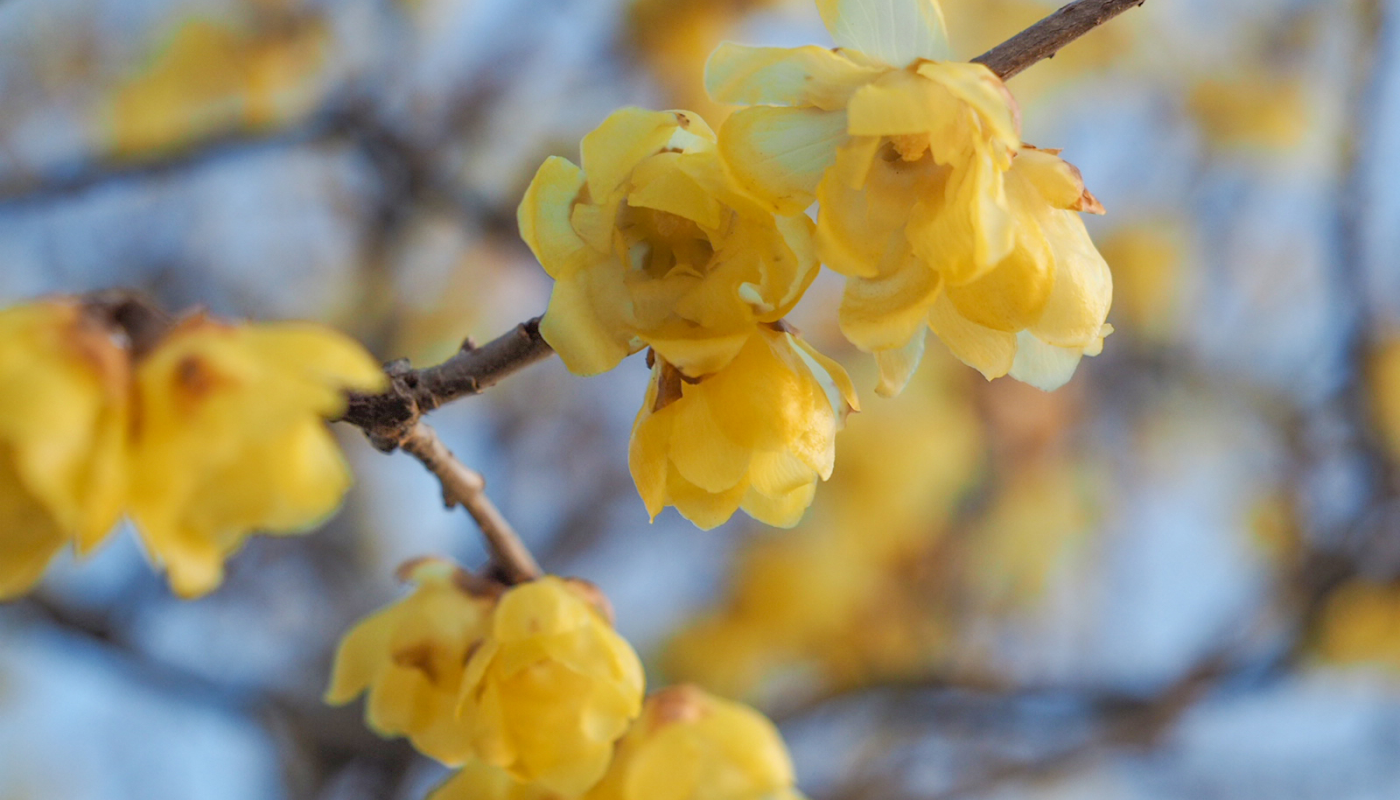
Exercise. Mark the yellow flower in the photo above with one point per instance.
(689, 745)
(1385, 393)
(1361, 625)
(755, 435)
(232, 438)
(410, 657)
(1251, 109)
(64, 387)
(478, 780)
(551, 688)
(650, 245)
(209, 77)
(924, 206)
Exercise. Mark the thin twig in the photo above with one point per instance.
(387, 418)
(1045, 38)
(465, 487)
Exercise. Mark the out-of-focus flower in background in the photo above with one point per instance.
(64, 409)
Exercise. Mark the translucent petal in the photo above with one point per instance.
(897, 365)
(779, 155)
(783, 511)
(1042, 365)
(897, 32)
(780, 76)
(705, 509)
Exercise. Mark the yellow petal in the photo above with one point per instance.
(1079, 302)
(658, 183)
(586, 342)
(965, 232)
(783, 511)
(626, 137)
(897, 365)
(1042, 365)
(648, 450)
(702, 355)
(29, 535)
(902, 103)
(1011, 296)
(779, 76)
(704, 509)
(545, 215)
(886, 312)
(897, 32)
(779, 155)
(984, 95)
(700, 451)
(989, 351)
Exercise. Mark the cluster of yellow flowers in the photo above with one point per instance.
(219, 430)
(696, 246)
(530, 692)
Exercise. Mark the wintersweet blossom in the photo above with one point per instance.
(64, 411)
(756, 435)
(911, 157)
(477, 780)
(232, 438)
(650, 245)
(551, 687)
(410, 658)
(690, 745)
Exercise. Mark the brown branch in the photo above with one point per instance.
(1045, 38)
(465, 487)
(389, 417)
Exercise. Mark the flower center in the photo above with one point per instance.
(908, 147)
(659, 242)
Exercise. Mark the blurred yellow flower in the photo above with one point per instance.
(232, 439)
(690, 745)
(410, 657)
(1361, 625)
(551, 688)
(756, 435)
(478, 780)
(1041, 514)
(210, 77)
(1251, 108)
(1149, 263)
(650, 245)
(64, 411)
(928, 202)
(674, 37)
(1385, 393)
